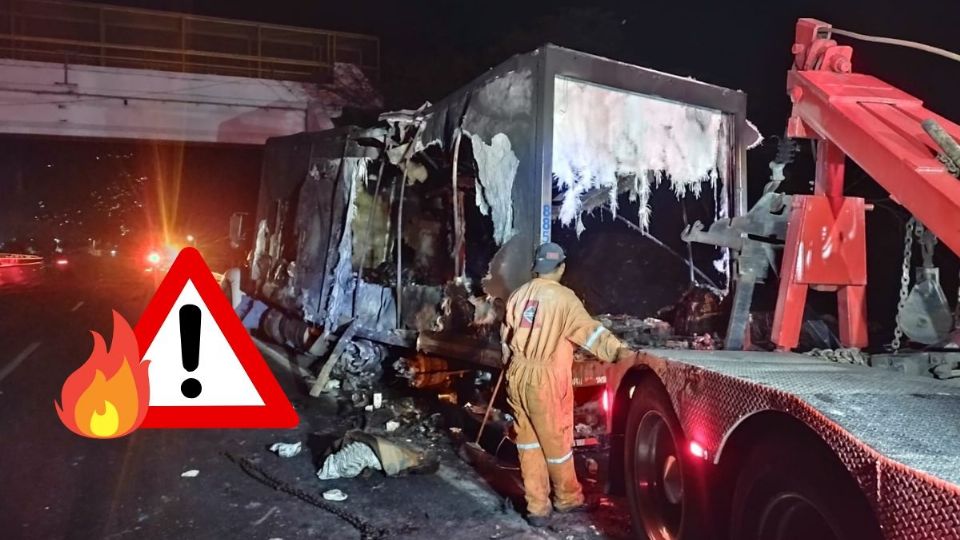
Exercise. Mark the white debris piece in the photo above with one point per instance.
(192, 473)
(377, 400)
(392, 425)
(350, 461)
(603, 136)
(752, 138)
(496, 170)
(334, 495)
(286, 450)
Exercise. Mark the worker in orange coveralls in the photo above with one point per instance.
(543, 322)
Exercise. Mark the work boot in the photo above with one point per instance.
(584, 507)
(538, 522)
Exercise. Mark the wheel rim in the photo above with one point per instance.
(791, 516)
(658, 478)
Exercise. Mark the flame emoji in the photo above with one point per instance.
(107, 396)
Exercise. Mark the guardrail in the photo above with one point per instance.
(18, 271)
(16, 259)
(93, 34)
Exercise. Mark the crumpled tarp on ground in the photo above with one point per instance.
(349, 462)
(358, 450)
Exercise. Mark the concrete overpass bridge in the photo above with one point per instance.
(88, 70)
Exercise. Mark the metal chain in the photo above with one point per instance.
(928, 242)
(367, 530)
(904, 281)
(956, 312)
(949, 164)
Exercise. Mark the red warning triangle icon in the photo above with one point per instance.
(232, 385)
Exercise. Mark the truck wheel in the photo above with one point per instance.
(662, 486)
(795, 488)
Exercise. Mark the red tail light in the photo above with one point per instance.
(62, 262)
(606, 401)
(697, 450)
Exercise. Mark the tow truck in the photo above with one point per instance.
(402, 240)
(772, 445)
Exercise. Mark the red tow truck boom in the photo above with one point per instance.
(880, 128)
(776, 445)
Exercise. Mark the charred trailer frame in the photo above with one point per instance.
(488, 106)
(494, 141)
(515, 105)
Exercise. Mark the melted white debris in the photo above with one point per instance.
(753, 137)
(497, 164)
(602, 136)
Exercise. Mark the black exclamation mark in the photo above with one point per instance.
(190, 347)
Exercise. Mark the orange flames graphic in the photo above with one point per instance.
(108, 395)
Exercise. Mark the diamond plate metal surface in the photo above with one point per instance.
(898, 436)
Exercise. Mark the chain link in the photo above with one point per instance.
(367, 530)
(904, 281)
(928, 242)
(949, 164)
(956, 312)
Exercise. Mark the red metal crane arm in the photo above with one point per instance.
(876, 125)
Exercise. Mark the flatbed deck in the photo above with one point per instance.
(898, 435)
(912, 420)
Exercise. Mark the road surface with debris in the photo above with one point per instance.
(183, 483)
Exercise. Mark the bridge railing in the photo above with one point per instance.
(93, 34)
(19, 259)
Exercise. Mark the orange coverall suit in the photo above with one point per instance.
(543, 321)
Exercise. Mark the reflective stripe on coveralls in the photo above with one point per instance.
(560, 460)
(542, 323)
(593, 337)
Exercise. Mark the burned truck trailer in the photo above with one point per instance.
(415, 231)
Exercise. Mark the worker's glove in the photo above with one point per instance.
(625, 355)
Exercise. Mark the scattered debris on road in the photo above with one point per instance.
(286, 450)
(270, 512)
(192, 473)
(334, 495)
(367, 530)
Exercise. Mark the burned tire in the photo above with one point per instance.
(663, 484)
(794, 488)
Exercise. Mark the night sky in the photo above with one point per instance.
(429, 48)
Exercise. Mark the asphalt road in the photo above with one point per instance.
(54, 484)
